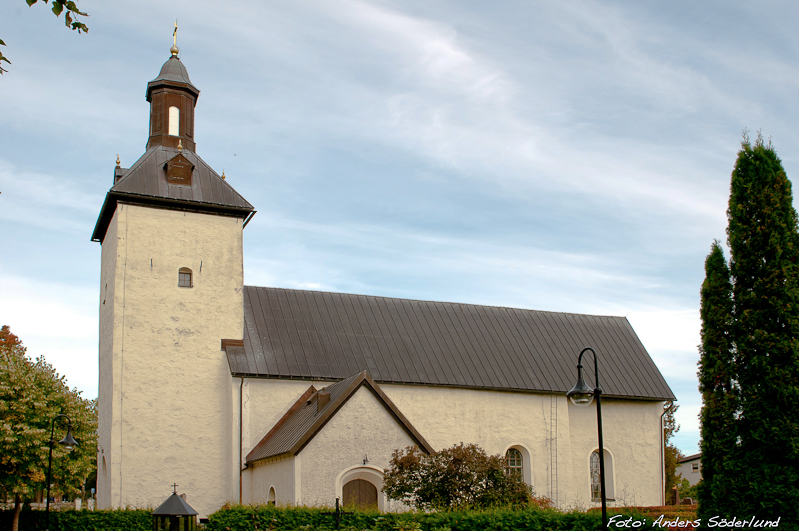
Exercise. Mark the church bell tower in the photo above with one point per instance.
(170, 289)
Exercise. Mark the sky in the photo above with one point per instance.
(561, 156)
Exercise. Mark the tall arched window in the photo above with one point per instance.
(596, 488)
(174, 121)
(184, 277)
(271, 497)
(514, 463)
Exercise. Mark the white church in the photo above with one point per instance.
(268, 395)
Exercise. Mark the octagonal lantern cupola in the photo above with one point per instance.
(172, 99)
(174, 514)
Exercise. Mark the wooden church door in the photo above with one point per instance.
(361, 493)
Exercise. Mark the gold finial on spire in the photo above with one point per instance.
(175, 50)
(117, 160)
(223, 175)
(180, 145)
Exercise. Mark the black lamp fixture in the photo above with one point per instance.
(582, 395)
(67, 442)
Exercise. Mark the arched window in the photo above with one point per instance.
(271, 499)
(184, 278)
(174, 121)
(596, 488)
(514, 463)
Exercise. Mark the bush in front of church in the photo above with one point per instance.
(463, 476)
(531, 518)
(81, 520)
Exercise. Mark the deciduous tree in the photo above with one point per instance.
(456, 477)
(31, 395)
(71, 13)
(718, 442)
(671, 454)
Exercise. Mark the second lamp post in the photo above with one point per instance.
(582, 395)
(67, 442)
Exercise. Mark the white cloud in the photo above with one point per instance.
(57, 321)
(47, 201)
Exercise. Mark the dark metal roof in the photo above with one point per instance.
(146, 183)
(173, 74)
(305, 418)
(316, 335)
(174, 505)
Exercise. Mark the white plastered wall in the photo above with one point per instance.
(165, 386)
(363, 427)
(557, 436)
(277, 473)
(631, 434)
(497, 420)
(108, 394)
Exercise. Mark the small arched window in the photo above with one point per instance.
(271, 499)
(174, 121)
(184, 278)
(514, 463)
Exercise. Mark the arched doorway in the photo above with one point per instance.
(361, 493)
(369, 474)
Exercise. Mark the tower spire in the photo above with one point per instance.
(175, 50)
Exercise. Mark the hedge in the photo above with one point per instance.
(252, 518)
(270, 518)
(83, 520)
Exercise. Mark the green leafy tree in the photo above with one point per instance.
(457, 477)
(764, 245)
(689, 491)
(671, 454)
(71, 14)
(719, 399)
(31, 395)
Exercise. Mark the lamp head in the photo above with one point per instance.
(581, 394)
(68, 442)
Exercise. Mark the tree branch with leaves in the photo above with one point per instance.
(71, 13)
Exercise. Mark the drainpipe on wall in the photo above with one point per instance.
(663, 458)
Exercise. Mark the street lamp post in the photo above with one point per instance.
(69, 443)
(582, 395)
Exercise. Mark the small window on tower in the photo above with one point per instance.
(184, 278)
(174, 121)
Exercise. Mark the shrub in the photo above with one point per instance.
(458, 477)
(249, 518)
(120, 520)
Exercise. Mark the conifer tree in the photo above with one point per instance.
(719, 404)
(764, 245)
